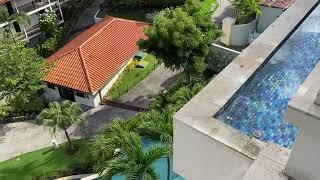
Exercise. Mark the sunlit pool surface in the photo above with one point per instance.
(261, 103)
(160, 166)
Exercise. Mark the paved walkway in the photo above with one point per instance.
(141, 96)
(21, 137)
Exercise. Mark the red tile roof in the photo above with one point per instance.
(91, 59)
(283, 4)
(3, 1)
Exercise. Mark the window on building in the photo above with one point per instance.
(51, 86)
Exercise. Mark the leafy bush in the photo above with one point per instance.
(48, 47)
(49, 23)
(117, 5)
(178, 96)
(134, 63)
(22, 106)
(246, 10)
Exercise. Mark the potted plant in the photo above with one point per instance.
(246, 10)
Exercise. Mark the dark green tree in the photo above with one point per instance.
(181, 38)
(21, 69)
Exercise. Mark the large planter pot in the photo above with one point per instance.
(237, 35)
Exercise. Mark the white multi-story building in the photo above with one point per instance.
(33, 8)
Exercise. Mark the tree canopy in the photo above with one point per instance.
(181, 37)
(21, 69)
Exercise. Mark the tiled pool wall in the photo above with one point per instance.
(261, 103)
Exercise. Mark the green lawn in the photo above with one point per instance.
(130, 79)
(43, 161)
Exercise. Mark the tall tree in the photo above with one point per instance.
(61, 115)
(121, 152)
(21, 69)
(159, 126)
(181, 37)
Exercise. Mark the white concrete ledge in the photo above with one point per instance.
(199, 113)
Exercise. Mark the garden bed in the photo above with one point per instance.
(130, 78)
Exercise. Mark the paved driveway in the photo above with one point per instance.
(21, 137)
(141, 96)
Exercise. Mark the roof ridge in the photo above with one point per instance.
(98, 32)
(85, 71)
(130, 20)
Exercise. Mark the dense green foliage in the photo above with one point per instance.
(246, 10)
(181, 37)
(140, 4)
(61, 115)
(118, 149)
(49, 23)
(47, 163)
(121, 152)
(21, 70)
(22, 106)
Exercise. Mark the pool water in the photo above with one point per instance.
(260, 105)
(160, 165)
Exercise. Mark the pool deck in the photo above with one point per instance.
(268, 159)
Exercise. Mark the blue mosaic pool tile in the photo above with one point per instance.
(262, 102)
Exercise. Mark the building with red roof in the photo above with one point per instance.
(86, 68)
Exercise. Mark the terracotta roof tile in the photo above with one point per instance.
(283, 4)
(91, 59)
(3, 1)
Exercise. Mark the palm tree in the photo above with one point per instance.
(21, 18)
(159, 126)
(121, 152)
(61, 115)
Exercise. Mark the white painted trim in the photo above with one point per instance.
(228, 49)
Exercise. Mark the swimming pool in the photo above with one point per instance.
(261, 103)
(160, 165)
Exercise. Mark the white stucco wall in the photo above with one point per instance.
(267, 17)
(199, 157)
(304, 161)
(92, 100)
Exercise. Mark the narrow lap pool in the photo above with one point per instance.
(261, 103)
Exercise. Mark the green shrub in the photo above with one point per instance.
(118, 5)
(246, 10)
(134, 63)
(22, 106)
(49, 23)
(48, 47)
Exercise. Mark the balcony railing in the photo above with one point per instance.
(37, 5)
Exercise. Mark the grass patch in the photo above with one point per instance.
(129, 79)
(40, 162)
(207, 5)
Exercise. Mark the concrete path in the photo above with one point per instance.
(141, 96)
(21, 137)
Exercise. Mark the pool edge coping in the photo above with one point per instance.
(198, 113)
